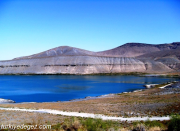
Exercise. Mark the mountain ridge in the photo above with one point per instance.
(126, 50)
(127, 58)
(137, 49)
(59, 51)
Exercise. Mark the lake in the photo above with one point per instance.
(52, 88)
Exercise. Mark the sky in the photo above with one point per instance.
(31, 26)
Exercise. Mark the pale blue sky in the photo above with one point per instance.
(32, 26)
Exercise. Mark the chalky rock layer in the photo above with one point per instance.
(131, 57)
(72, 65)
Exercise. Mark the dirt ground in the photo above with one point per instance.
(27, 118)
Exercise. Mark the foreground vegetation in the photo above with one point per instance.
(89, 124)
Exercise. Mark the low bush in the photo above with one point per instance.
(98, 124)
(174, 124)
(150, 124)
(86, 124)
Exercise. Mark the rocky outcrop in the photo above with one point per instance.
(6, 101)
(70, 60)
(170, 58)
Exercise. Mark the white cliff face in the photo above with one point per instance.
(6, 101)
(80, 65)
(72, 65)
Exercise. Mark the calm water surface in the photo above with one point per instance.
(49, 88)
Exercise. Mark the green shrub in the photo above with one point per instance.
(174, 124)
(94, 124)
(99, 124)
(146, 125)
(58, 126)
(149, 124)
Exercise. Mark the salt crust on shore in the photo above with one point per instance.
(165, 86)
(6, 101)
(89, 115)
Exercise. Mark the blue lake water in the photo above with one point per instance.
(51, 88)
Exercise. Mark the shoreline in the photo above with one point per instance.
(106, 74)
(73, 100)
(139, 103)
(147, 86)
(80, 99)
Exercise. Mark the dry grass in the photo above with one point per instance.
(18, 118)
(155, 129)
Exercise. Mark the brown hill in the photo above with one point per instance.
(60, 51)
(126, 50)
(163, 53)
(137, 49)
